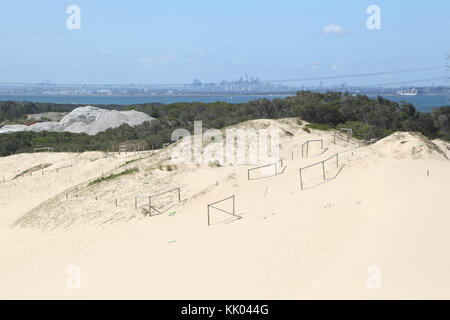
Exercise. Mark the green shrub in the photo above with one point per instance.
(319, 126)
(114, 175)
(360, 130)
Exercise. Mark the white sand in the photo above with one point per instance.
(382, 209)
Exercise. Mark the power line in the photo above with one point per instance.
(403, 82)
(361, 75)
(358, 75)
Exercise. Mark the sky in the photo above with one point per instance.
(176, 41)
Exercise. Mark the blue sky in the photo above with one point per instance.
(177, 41)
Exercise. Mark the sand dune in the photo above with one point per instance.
(382, 204)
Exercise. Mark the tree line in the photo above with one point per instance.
(369, 118)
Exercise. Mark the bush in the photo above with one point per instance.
(319, 126)
(360, 130)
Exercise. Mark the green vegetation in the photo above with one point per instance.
(129, 161)
(369, 118)
(168, 167)
(114, 175)
(33, 169)
(319, 126)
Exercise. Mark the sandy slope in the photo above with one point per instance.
(382, 208)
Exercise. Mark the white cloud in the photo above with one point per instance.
(333, 30)
(239, 62)
(146, 60)
(337, 66)
(193, 62)
(169, 59)
(104, 52)
(160, 60)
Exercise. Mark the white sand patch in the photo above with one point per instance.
(387, 206)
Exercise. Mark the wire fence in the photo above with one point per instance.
(75, 189)
(48, 149)
(307, 147)
(275, 172)
(348, 131)
(322, 163)
(57, 169)
(150, 197)
(232, 212)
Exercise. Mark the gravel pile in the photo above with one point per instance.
(89, 120)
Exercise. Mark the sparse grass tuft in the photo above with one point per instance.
(168, 167)
(114, 175)
(214, 164)
(128, 162)
(33, 169)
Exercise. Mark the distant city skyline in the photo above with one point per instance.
(244, 85)
(177, 41)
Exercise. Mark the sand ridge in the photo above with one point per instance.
(290, 243)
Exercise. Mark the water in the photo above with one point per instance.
(129, 100)
(422, 103)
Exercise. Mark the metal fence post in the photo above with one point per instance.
(150, 205)
(323, 169)
(234, 211)
(301, 180)
(208, 213)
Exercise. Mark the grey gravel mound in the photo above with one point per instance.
(89, 120)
